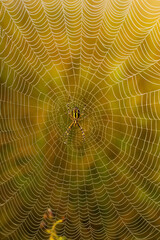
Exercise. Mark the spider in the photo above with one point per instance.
(75, 115)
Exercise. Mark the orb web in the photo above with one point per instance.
(104, 55)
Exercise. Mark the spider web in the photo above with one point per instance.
(104, 54)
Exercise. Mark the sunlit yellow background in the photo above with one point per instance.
(102, 54)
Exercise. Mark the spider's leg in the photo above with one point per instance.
(68, 130)
(68, 108)
(82, 114)
(84, 108)
(69, 112)
(83, 134)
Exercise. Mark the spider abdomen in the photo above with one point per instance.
(75, 113)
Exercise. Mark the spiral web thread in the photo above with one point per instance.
(104, 55)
